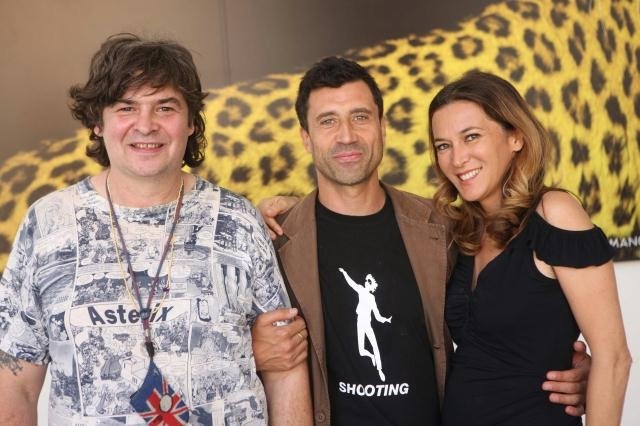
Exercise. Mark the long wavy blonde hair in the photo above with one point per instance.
(522, 185)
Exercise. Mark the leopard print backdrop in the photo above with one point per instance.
(577, 62)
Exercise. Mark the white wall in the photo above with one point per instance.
(627, 273)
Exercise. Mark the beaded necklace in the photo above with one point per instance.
(145, 311)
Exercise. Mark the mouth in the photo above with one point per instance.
(468, 175)
(146, 145)
(348, 156)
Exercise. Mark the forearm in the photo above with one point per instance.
(606, 388)
(20, 384)
(288, 396)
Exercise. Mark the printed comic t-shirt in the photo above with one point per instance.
(63, 301)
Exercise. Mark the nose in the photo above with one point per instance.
(146, 122)
(460, 155)
(346, 133)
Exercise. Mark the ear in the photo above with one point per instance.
(306, 139)
(97, 130)
(516, 140)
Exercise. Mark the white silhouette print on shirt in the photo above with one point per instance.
(366, 306)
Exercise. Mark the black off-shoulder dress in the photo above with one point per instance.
(514, 327)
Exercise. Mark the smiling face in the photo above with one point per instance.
(145, 133)
(473, 151)
(345, 135)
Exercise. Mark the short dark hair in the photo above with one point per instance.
(333, 72)
(125, 61)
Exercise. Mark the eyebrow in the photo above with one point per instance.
(353, 111)
(168, 100)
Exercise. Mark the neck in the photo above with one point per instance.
(352, 200)
(140, 192)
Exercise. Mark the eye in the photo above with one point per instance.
(471, 137)
(361, 117)
(441, 146)
(327, 121)
(165, 108)
(125, 108)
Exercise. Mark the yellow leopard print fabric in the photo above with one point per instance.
(577, 62)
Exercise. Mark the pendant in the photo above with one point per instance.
(156, 401)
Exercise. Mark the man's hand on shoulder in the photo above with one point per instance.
(271, 207)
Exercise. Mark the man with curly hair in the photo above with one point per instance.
(163, 314)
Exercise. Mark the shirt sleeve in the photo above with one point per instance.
(561, 247)
(22, 331)
(267, 285)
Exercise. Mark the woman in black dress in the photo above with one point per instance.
(533, 271)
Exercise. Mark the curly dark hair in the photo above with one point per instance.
(333, 72)
(126, 61)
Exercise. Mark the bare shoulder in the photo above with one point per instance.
(563, 210)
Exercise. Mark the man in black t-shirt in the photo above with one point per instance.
(353, 229)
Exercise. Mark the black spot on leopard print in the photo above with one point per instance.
(279, 107)
(636, 105)
(259, 133)
(614, 148)
(58, 148)
(528, 10)
(584, 5)
(630, 25)
(72, 172)
(627, 80)
(6, 210)
(579, 152)
(615, 113)
(40, 192)
(419, 147)
(384, 77)
(571, 100)
(286, 153)
(399, 115)
(431, 176)
(467, 47)
(407, 59)
(5, 245)
(538, 98)
(493, 24)
(236, 110)
(589, 190)
(545, 57)
(421, 84)
(577, 44)
(288, 123)
(21, 175)
(219, 144)
(378, 51)
(555, 147)
(508, 59)
(617, 16)
(241, 174)
(623, 212)
(263, 86)
(607, 40)
(415, 41)
(597, 78)
(398, 173)
(558, 13)
(238, 149)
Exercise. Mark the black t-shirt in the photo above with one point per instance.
(379, 357)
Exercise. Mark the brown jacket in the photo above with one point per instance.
(426, 239)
